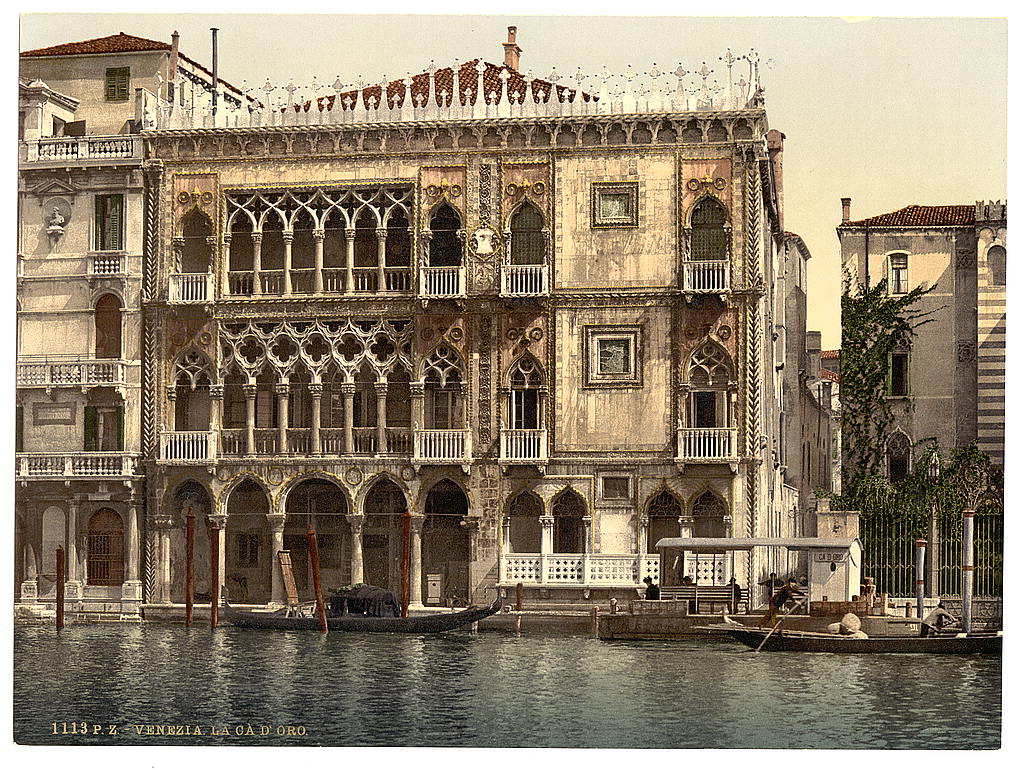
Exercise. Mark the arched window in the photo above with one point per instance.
(192, 392)
(709, 513)
(524, 405)
(443, 389)
(708, 238)
(569, 509)
(108, 327)
(898, 456)
(524, 514)
(105, 549)
(196, 230)
(899, 273)
(663, 512)
(710, 374)
(528, 241)
(399, 244)
(445, 545)
(445, 243)
(997, 266)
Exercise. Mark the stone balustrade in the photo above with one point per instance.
(57, 465)
(524, 280)
(577, 569)
(524, 446)
(61, 371)
(84, 148)
(705, 277)
(189, 288)
(706, 444)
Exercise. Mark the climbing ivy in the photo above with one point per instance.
(875, 324)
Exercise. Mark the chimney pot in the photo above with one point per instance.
(512, 50)
(846, 209)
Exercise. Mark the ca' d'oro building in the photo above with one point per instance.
(538, 318)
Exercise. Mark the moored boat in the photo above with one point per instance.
(809, 641)
(426, 623)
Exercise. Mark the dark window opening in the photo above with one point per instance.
(899, 374)
(109, 232)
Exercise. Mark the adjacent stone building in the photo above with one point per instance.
(531, 321)
(948, 386)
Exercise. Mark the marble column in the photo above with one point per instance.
(382, 235)
(416, 559)
(318, 261)
(356, 521)
(131, 588)
(216, 417)
(257, 263)
(72, 541)
(249, 389)
(588, 526)
(165, 562)
(350, 258)
(225, 267)
(642, 524)
(417, 390)
(277, 592)
(348, 394)
(547, 533)
(281, 390)
(316, 391)
(288, 236)
(221, 520)
(381, 389)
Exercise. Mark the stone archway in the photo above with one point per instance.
(383, 506)
(321, 503)
(568, 510)
(524, 527)
(105, 549)
(445, 559)
(247, 544)
(663, 512)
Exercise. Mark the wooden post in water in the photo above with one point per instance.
(60, 588)
(967, 583)
(190, 541)
(406, 554)
(519, 608)
(214, 572)
(919, 582)
(595, 614)
(314, 559)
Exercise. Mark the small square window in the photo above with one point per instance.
(613, 356)
(615, 487)
(117, 84)
(614, 204)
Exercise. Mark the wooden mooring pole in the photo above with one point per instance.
(214, 572)
(314, 559)
(406, 555)
(60, 588)
(519, 608)
(919, 581)
(190, 542)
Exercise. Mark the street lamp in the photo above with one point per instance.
(933, 530)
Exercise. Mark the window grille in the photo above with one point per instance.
(707, 241)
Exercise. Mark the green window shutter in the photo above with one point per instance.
(90, 429)
(120, 427)
(99, 230)
(117, 84)
(115, 222)
(19, 428)
(888, 377)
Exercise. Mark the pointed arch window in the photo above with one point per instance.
(663, 512)
(997, 266)
(196, 230)
(709, 516)
(528, 242)
(445, 237)
(192, 380)
(898, 456)
(443, 385)
(525, 386)
(708, 240)
(108, 327)
(710, 375)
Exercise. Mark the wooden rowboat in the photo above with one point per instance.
(427, 623)
(809, 641)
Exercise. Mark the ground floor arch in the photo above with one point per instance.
(320, 504)
(446, 549)
(247, 544)
(105, 549)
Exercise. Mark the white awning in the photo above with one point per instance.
(699, 544)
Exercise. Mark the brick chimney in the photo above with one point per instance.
(846, 209)
(172, 67)
(512, 50)
(775, 139)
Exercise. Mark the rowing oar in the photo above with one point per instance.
(784, 614)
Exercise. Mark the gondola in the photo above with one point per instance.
(427, 623)
(809, 641)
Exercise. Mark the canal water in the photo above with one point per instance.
(128, 683)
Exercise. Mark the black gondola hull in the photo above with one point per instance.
(797, 641)
(429, 623)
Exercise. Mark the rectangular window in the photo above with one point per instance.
(117, 84)
(614, 204)
(899, 278)
(613, 356)
(248, 549)
(109, 230)
(615, 487)
(704, 409)
(899, 374)
(525, 409)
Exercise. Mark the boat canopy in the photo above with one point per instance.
(696, 544)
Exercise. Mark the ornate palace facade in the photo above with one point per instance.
(536, 318)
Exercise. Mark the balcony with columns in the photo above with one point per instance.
(68, 466)
(706, 277)
(524, 280)
(57, 371)
(707, 445)
(190, 288)
(524, 447)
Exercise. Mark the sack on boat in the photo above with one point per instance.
(850, 623)
(834, 628)
(858, 635)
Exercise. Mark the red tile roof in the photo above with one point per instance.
(826, 374)
(443, 81)
(830, 354)
(920, 216)
(119, 43)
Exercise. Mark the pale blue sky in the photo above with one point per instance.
(886, 111)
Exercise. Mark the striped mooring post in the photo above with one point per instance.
(967, 584)
(919, 581)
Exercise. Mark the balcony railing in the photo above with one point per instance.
(106, 264)
(442, 282)
(524, 280)
(59, 371)
(706, 444)
(577, 569)
(83, 148)
(442, 447)
(524, 446)
(706, 277)
(187, 288)
(41, 465)
(188, 446)
(332, 441)
(334, 280)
